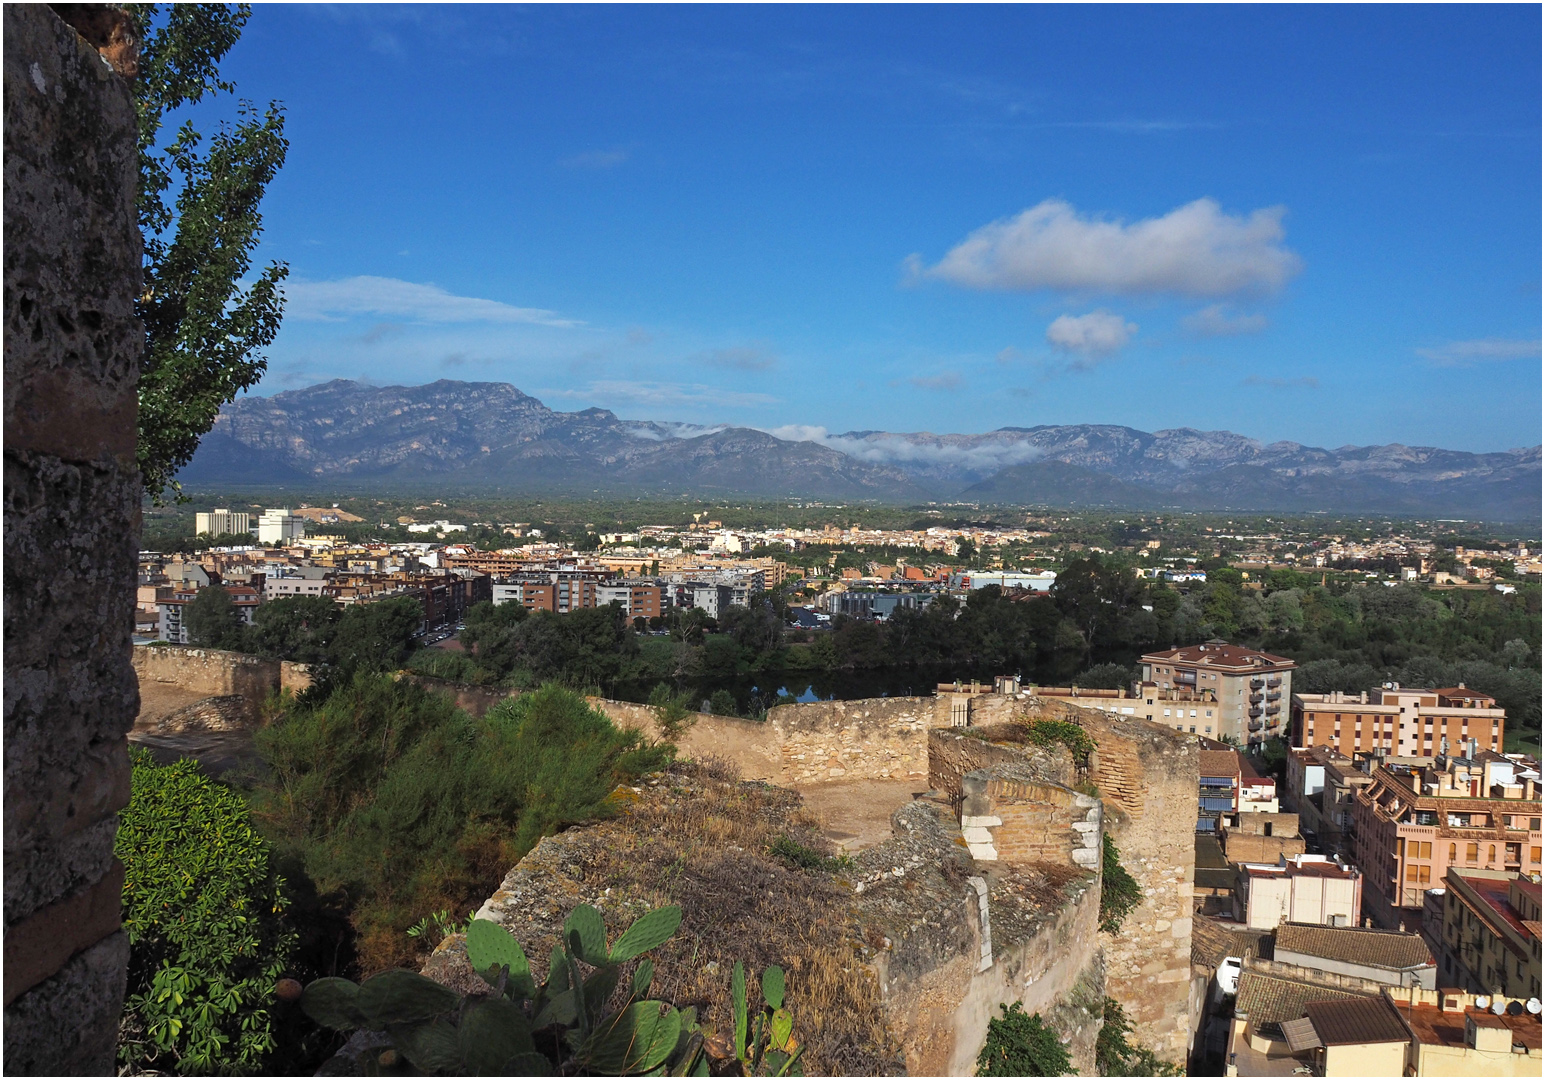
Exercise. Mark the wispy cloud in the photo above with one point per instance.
(1480, 351)
(1302, 382)
(945, 380)
(597, 159)
(984, 453)
(742, 358)
(1217, 320)
(1091, 337)
(1194, 250)
(335, 301)
(663, 394)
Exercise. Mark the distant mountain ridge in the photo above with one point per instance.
(491, 436)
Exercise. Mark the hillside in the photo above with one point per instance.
(492, 437)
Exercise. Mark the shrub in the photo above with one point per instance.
(1119, 892)
(1075, 738)
(672, 714)
(722, 703)
(204, 913)
(1022, 1045)
(804, 857)
(404, 804)
(1114, 1056)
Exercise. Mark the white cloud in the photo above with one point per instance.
(1091, 336)
(887, 449)
(1194, 250)
(1215, 320)
(663, 394)
(1481, 350)
(334, 301)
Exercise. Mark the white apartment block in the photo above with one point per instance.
(280, 526)
(222, 523)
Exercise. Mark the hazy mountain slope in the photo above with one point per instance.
(492, 436)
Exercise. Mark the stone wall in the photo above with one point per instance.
(1147, 776)
(751, 746)
(871, 739)
(213, 673)
(72, 489)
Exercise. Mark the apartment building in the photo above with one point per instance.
(1403, 721)
(1413, 823)
(1320, 783)
(1303, 889)
(172, 625)
(296, 581)
(1491, 933)
(638, 601)
(280, 526)
(558, 591)
(1248, 687)
(222, 523)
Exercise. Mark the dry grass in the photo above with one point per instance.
(701, 842)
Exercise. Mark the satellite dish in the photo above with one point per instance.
(1515, 1008)
(1533, 1005)
(1481, 1001)
(1499, 1007)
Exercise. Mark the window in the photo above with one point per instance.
(1426, 875)
(1426, 852)
(1472, 852)
(1410, 871)
(1491, 855)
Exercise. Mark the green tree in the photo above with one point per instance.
(376, 636)
(1114, 1056)
(212, 620)
(298, 628)
(198, 215)
(204, 913)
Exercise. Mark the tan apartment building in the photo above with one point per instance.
(1402, 721)
(1250, 689)
(1491, 933)
(1320, 782)
(1414, 823)
(1303, 889)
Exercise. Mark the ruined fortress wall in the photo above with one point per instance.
(952, 753)
(72, 491)
(1148, 777)
(212, 672)
(753, 747)
(871, 739)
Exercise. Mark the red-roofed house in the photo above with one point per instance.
(1250, 686)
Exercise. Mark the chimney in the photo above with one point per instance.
(1362, 698)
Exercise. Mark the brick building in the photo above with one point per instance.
(1403, 721)
(1413, 823)
(1249, 686)
(1491, 933)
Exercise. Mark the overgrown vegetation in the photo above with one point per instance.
(399, 804)
(1021, 1044)
(1119, 891)
(205, 913)
(1052, 732)
(568, 1025)
(1114, 1056)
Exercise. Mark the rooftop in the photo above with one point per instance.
(1271, 999)
(1434, 1027)
(1219, 763)
(1492, 892)
(1354, 945)
(1221, 654)
(1365, 1020)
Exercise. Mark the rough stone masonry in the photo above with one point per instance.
(72, 489)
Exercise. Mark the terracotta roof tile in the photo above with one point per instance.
(1355, 945)
(1271, 999)
(1366, 1020)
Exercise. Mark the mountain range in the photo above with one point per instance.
(491, 437)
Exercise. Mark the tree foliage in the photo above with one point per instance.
(1020, 1044)
(212, 620)
(199, 218)
(1114, 1056)
(391, 796)
(205, 915)
(1119, 891)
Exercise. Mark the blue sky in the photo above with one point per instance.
(1307, 223)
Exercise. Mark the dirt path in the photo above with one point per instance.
(856, 814)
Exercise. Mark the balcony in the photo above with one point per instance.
(1256, 725)
(1255, 710)
(1274, 695)
(1257, 682)
(1275, 680)
(1274, 706)
(1255, 699)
